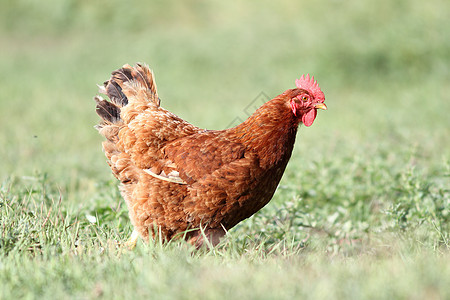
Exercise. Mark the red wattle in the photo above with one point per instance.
(308, 118)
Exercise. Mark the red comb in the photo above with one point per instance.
(308, 83)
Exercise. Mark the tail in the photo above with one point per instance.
(138, 83)
(126, 85)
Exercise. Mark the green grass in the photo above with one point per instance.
(362, 212)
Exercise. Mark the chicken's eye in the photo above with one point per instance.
(304, 98)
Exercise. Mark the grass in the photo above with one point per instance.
(362, 212)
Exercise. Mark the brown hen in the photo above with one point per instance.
(177, 178)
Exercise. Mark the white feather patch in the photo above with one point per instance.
(173, 176)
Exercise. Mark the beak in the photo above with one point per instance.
(320, 105)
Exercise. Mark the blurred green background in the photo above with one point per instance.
(384, 68)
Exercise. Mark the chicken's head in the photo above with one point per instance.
(308, 98)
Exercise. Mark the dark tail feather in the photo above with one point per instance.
(108, 111)
(114, 92)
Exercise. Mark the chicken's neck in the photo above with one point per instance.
(270, 132)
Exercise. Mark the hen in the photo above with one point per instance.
(177, 178)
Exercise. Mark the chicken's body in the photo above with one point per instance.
(177, 177)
